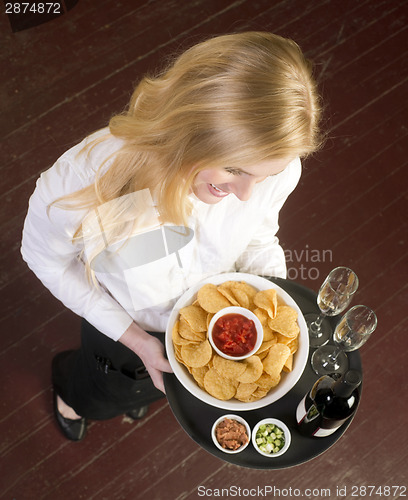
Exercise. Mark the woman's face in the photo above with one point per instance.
(213, 184)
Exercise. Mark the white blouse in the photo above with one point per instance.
(141, 282)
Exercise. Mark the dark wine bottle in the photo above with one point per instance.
(328, 405)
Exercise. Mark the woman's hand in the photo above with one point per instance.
(150, 350)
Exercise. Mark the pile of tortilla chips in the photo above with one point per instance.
(250, 379)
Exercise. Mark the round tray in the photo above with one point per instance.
(197, 417)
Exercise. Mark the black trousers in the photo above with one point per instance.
(102, 379)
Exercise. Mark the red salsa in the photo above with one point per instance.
(234, 334)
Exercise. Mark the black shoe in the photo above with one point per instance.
(74, 430)
(139, 413)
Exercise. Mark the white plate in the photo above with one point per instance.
(288, 379)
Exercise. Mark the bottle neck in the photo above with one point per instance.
(346, 385)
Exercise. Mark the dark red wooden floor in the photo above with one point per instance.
(65, 78)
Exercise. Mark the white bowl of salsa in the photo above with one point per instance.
(235, 333)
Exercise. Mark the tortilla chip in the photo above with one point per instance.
(196, 355)
(210, 299)
(267, 300)
(218, 386)
(253, 370)
(228, 368)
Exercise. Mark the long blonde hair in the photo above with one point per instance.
(229, 101)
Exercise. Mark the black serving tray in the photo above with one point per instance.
(197, 417)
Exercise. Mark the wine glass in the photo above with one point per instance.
(353, 330)
(334, 296)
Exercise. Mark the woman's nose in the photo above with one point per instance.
(243, 188)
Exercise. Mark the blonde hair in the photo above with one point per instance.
(229, 101)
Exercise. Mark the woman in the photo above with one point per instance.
(201, 161)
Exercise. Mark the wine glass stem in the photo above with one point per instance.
(316, 324)
(332, 357)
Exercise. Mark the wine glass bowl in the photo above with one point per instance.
(355, 328)
(335, 294)
(352, 331)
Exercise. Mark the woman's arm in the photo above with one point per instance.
(48, 249)
(49, 252)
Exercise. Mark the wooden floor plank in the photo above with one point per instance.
(57, 466)
(345, 199)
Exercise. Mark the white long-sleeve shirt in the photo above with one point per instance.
(228, 236)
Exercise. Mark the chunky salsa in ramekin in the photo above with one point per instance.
(234, 334)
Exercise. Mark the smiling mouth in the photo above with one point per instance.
(217, 191)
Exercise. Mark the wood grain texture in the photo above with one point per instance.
(63, 79)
